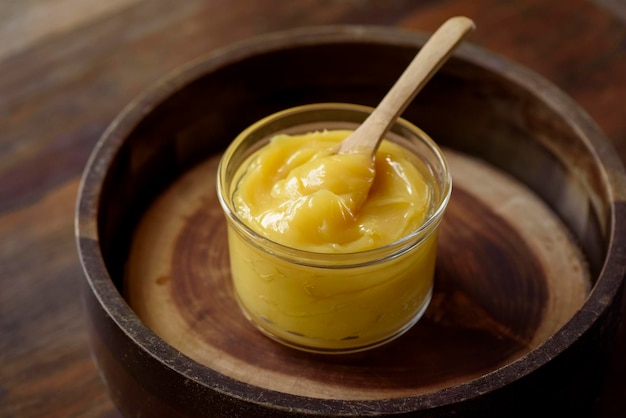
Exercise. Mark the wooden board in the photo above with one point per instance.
(508, 276)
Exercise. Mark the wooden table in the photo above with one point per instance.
(68, 67)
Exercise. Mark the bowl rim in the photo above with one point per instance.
(604, 291)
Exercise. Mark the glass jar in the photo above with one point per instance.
(332, 302)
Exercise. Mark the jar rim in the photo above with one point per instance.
(316, 258)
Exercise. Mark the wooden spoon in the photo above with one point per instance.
(367, 137)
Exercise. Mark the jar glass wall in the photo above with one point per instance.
(332, 302)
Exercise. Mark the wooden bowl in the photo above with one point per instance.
(530, 266)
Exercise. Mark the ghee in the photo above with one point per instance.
(331, 253)
(299, 192)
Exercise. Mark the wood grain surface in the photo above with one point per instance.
(489, 308)
(67, 68)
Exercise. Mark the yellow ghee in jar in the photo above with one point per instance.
(296, 191)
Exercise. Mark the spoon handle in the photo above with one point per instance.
(429, 59)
